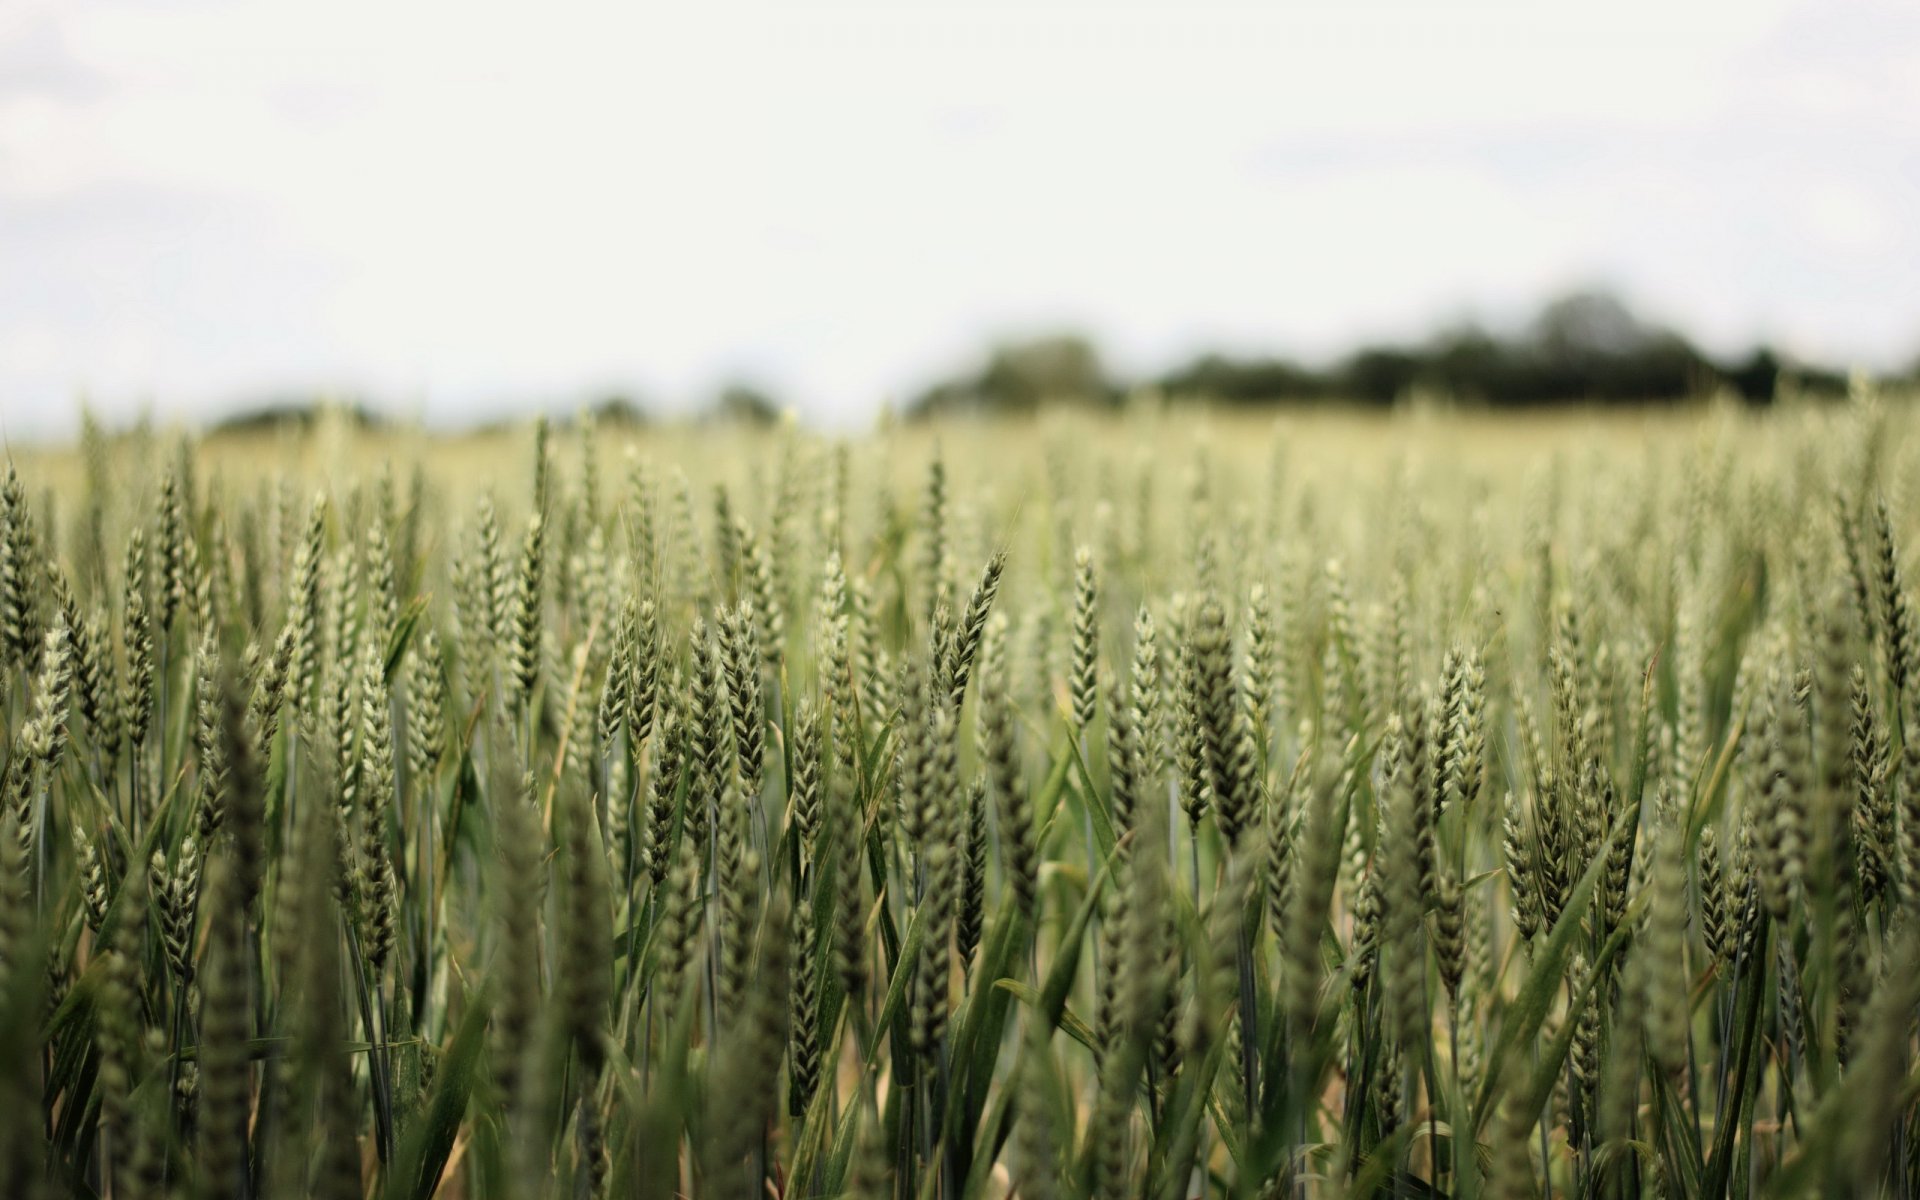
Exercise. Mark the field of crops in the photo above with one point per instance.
(1122, 807)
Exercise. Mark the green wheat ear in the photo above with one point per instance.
(1084, 679)
(1474, 806)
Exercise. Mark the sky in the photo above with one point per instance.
(461, 208)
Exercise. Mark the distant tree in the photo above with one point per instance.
(1589, 346)
(1245, 380)
(747, 404)
(1757, 377)
(1584, 347)
(1021, 376)
(1378, 373)
(1469, 363)
(1589, 325)
(295, 413)
(619, 409)
(1030, 373)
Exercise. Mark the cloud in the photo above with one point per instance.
(203, 197)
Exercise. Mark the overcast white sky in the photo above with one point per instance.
(456, 204)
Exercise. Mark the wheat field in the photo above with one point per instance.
(1151, 805)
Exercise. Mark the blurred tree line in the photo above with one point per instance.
(738, 402)
(1583, 348)
(1587, 347)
